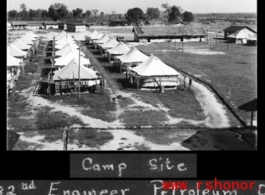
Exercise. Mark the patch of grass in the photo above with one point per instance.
(92, 104)
(125, 102)
(141, 147)
(132, 118)
(17, 109)
(88, 137)
(45, 119)
(164, 136)
(221, 71)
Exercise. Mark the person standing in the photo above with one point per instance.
(190, 83)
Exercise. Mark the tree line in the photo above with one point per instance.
(59, 12)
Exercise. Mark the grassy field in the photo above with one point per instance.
(233, 74)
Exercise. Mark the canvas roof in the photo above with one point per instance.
(121, 48)
(12, 61)
(153, 66)
(134, 55)
(236, 28)
(241, 34)
(61, 45)
(32, 34)
(104, 39)
(98, 36)
(169, 30)
(70, 71)
(64, 60)
(93, 34)
(26, 40)
(21, 45)
(253, 37)
(110, 43)
(63, 51)
(29, 37)
(15, 51)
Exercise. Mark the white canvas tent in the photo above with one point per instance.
(104, 39)
(21, 45)
(16, 52)
(98, 36)
(65, 60)
(119, 49)
(33, 35)
(26, 40)
(66, 49)
(109, 44)
(70, 72)
(134, 55)
(93, 34)
(153, 72)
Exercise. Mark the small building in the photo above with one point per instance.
(169, 33)
(19, 25)
(233, 29)
(51, 25)
(34, 25)
(76, 27)
(119, 22)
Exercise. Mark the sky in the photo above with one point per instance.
(121, 6)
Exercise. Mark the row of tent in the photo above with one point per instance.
(18, 53)
(68, 60)
(146, 71)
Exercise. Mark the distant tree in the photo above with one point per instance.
(32, 13)
(88, 13)
(152, 13)
(102, 14)
(12, 14)
(95, 11)
(187, 17)
(135, 15)
(120, 16)
(174, 15)
(23, 8)
(44, 13)
(58, 11)
(83, 15)
(77, 12)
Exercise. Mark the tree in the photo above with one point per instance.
(187, 17)
(44, 13)
(174, 15)
(23, 8)
(88, 13)
(12, 14)
(135, 15)
(153, 13)
(95, 11)
(83, 15)
(32, 13)
(102, 14)
(58, 11)
(77, 12)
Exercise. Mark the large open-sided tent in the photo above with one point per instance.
(252, 40)
(109, 44)
(15, 51)
(152, 73)
(91, 35)
(240, 36)
(98, 36)
(119, 49)
(132, 58)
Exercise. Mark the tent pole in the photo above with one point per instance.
(79, 71)
(138, 83)
(252, 120)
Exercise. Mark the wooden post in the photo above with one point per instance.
(216, 40)
(252, 120)
(13, 92)
(65, 138)
(137, 83)
(79, 71)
